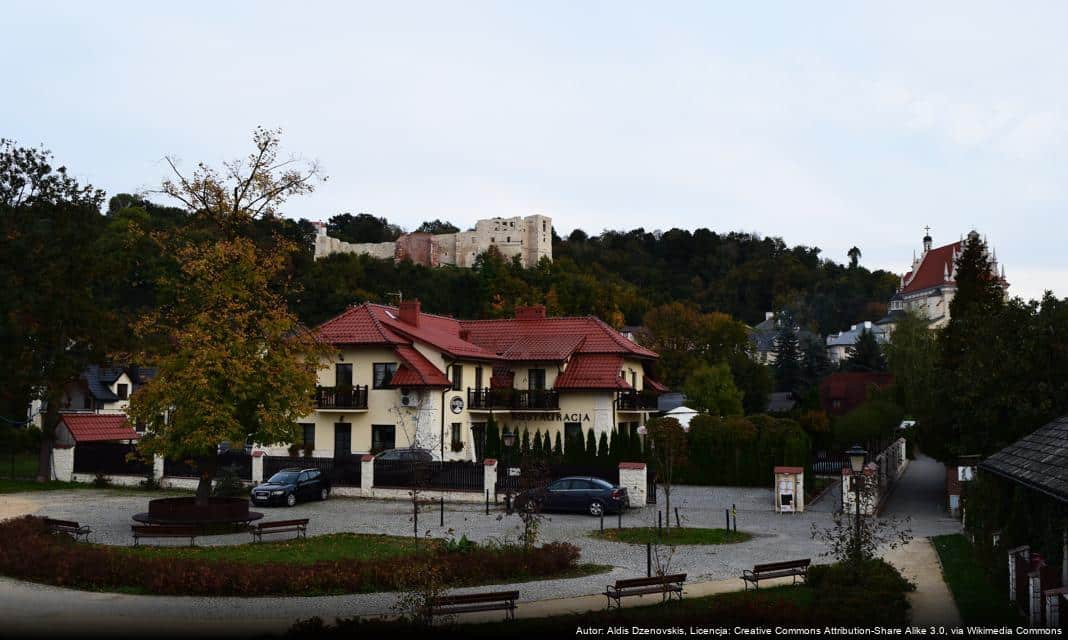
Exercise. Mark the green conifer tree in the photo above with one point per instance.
(591, 445)
(602, 448)
(558, 447)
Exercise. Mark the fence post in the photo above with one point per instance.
(63, 463)
(257, 467)
(367, 475)
(489, 479)
(659, 522)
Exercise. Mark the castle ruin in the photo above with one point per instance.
(529, 237)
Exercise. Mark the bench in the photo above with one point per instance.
(280, 526)
(667, 586)
(165, 531)
(68, 526)
(471, 602)
(760, 572)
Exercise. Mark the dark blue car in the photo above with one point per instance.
(290, 486)
(578, 494)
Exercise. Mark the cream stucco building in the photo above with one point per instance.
(401, 377)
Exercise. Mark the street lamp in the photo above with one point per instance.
(856, 455)
(508, 438)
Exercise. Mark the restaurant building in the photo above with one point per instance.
(401, 377)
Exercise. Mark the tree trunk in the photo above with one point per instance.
(48, 433)
(206, 465)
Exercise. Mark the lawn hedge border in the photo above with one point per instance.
(29, 551)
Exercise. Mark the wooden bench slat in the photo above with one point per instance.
(640, 582)
(466, 598)
(281, 523)
(795, 568)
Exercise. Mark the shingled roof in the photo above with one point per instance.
(1038, 461)
(98, 427)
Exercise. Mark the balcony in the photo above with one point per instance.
(517, 399)
(637, 401)
(341, 398)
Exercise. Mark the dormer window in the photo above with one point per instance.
(123, 391)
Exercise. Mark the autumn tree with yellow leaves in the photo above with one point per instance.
(232, 361)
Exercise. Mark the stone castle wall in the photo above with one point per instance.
(528, 237)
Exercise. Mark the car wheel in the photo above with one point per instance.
(324, 493)
(291, 499)
(596, 508)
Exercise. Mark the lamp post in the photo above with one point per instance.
(856, 455)
(508, 438)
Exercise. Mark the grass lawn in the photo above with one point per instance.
(685, 535)
(334, 546)
(979, 600)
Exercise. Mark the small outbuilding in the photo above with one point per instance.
(789, 489)
(683, 414)
(81, 428)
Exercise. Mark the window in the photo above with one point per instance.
(307, 434)
(478, 377)
(457, 376)
(303, 477)
(383, 371)
(536, 379)
(508, 239)
(457, 436)
(343, 375)
(123, 391)
(633, 379)
(383, 437)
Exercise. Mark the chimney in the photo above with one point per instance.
(533, 312)
(409, 312)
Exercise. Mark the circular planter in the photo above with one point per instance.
(185, 510)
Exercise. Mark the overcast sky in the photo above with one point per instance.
(826, 124)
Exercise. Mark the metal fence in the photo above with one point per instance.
(109, 458)
(508, 482)
(342, 472)
(188, 468)
(406, 474)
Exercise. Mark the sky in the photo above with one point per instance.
(826, 124)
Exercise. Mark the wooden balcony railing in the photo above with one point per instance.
(341, 397)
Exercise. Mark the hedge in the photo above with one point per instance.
(742, 452)
(28, 551)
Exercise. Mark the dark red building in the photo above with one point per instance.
(844, 391)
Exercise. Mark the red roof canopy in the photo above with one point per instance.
(98, 427)
(593, 371)
(933, 268)
(416, 371)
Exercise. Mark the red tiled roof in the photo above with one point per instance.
(933, 268)
(849, 389)
(655, 386)
(96, 427)
(357, 325)
(789, 470)
(535, 347)
(416, 371)
(438, 331)
(498, 336)
(592, 371)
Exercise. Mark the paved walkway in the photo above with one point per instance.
(919, 495)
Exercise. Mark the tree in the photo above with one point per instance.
(814, 362)
(238, 363)
(753, 380)
(602, 447)
(667, 445)
(558, 449)
(591, 445)
(711, 389)
(865, 354)
(437, 227)
(685, 338)
(787, 364)
(912, 356)
(362, 227)
(54, 318)
(854, 257)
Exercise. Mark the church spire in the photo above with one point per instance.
(927, 239)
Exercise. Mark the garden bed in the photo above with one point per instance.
(28, 551)
(676, 535)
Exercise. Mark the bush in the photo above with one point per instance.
(737, 451)
(30, 552)
(873, 590)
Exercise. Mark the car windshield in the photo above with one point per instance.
(283, 477)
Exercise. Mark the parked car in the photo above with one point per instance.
(394, 467)
(290, 486)
(574, 493)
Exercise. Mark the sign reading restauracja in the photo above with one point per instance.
(400, 375)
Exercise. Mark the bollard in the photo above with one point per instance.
(619, 520)
(677, 522)
(443, 511)
(734, 512)
(727, 514)
(648, 559)
(487, 502)
(602, 520)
